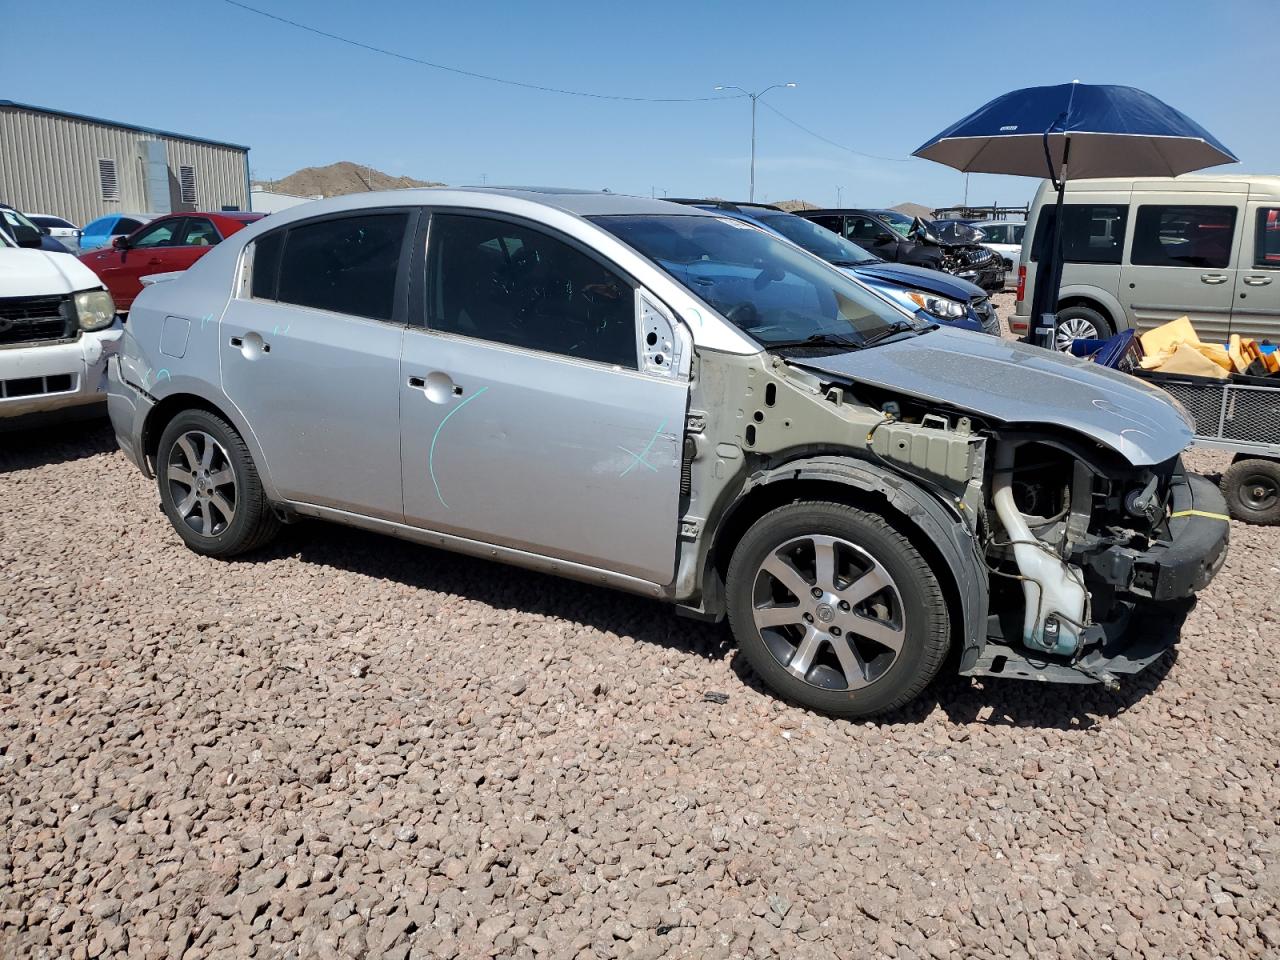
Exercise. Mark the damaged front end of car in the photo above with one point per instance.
(1068, 479)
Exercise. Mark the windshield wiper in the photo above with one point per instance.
(816, 340)
(893, 329)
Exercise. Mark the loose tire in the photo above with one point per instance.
(209, 487)
(1081, 323)
(1251, 487)
(836, 610)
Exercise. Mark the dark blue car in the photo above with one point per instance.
(947, 299)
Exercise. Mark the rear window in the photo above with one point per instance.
(53, 223)
(347, 265)
(126, 225)
(266, 265)
(1169, 235)
(1092, 232)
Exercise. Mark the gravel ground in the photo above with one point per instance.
(352, 746)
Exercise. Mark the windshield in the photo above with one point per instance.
(819, 241)
(900, 222)
(5, 241)
(760, 283)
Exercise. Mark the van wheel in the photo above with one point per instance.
(209, 487)
(1081, 323)
(836, 610)
(1252, 489)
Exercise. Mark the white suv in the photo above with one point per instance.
(58, 325)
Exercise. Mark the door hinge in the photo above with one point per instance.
(696, 421)
(690, 528)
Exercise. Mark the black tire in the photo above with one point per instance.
(923, 619)
(1081, 315)
(1251, 487)
(253, 523)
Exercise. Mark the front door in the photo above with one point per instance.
(1256, 312)
(1182, 261)
(310, 353)
(526, 419)
(122, 270)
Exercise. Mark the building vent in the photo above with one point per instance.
(187, 182)
(107, 179)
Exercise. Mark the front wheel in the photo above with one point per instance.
(209, 487)
(836, 610)
(1080, 323)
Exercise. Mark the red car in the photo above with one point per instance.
(166, 244)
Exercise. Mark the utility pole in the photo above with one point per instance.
(754, 98)
(838, 203)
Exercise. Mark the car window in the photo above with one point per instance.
(834, 224)
(508, 283)
(163, 233)
(1168, 235)
(1017, 231)
(53, 223)
(125, 225)
(994, 232)
(863, 229)
(817, 240)
(266, 265)
(764, 285)
(200, 233)
(344, 265)
(1266, 238)
(1092, 232)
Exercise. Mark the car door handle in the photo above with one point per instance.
(437, 387)
(1257, 281)
(251, 345)
(1213, 278)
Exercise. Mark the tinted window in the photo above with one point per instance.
(817, 240)
(347, 265)
(759, 282)
(864, 229)
(1183, 236)
(200, 233)
(163, 233)
(125, 225)
(1093, 232)
(834, 224)
(1266, 238)
(506, 283)
(266, 265)
(53, 222)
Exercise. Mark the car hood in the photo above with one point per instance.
(38, 273)
(1019, 384)
(933, 281)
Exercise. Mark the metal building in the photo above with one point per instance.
(81, 168)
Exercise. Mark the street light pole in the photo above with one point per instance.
(754, 99)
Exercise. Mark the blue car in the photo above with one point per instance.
(947, 299)
(101, 232)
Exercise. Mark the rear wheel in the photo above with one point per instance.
(1081, 323)
(209, 487)
(836, 610)
(1252, 489)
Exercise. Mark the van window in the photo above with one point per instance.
(1266, 239)
(1092, 232)
(1168, 235)
(344, 265)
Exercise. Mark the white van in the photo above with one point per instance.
(1140, 252)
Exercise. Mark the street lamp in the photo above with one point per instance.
(754, 97)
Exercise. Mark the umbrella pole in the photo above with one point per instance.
(1044, 303)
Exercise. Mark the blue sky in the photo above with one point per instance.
(867, 79)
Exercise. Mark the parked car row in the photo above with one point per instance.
(747, 433)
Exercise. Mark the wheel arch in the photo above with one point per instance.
(933, 529)
(169, 406)
(1095, 299)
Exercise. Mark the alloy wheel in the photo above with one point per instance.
(1072, 329)
(829, 612)
(202, 483)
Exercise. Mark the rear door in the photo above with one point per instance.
(1256, 311)
(1181, 260)
(310, 355)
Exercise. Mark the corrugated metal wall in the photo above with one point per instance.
(49, 164)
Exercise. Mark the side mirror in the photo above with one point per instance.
(26, 236)
(882, 239)
(121, 242)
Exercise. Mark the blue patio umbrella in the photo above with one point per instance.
(1093, 130)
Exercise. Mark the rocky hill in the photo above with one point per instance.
(340, 178)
